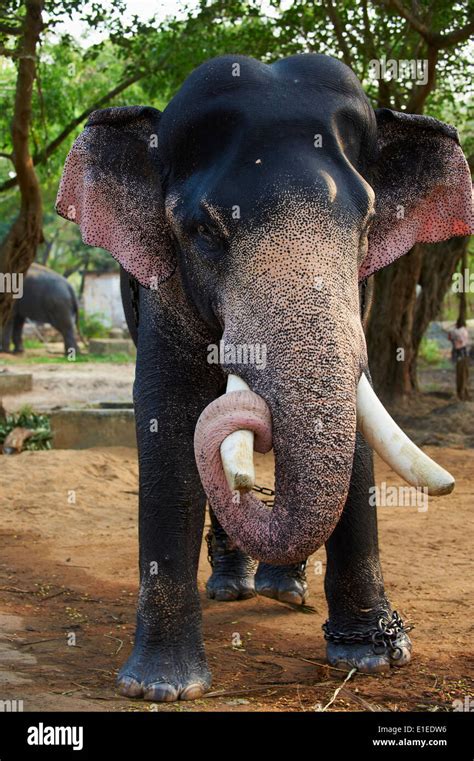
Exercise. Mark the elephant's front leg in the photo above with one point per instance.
(358, 607)
(168, 660)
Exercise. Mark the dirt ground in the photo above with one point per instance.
(70, 385)
(68, 558)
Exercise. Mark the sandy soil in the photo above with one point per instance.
(70, 385)
(70, 567)
(68, 551)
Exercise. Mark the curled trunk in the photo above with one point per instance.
(308, 414)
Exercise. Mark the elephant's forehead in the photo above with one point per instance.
(236, 74)
(237, 91)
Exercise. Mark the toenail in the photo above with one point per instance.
(129, 687)
(161, 692)
(192, 691)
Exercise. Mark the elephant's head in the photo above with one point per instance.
(274, 189)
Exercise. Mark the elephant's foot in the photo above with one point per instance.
(18, 350)
(286, 583)
(232, 570)
(378, 648)
(165, 673)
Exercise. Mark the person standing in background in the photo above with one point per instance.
(459, 338)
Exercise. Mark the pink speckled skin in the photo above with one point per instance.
(433, 206)
(307, 391)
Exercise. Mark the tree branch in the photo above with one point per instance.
(337, 24)
(42, 156)
(8, 52)
(5, 29)
(459, 35)
(368, 36)
(435, 39)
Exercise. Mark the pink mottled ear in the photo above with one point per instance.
(111, 188)
(422, 184)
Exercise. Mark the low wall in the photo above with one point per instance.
(80, 429)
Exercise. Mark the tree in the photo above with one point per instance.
(136, 54)
(146, 62)
(18, 248)
(398, 318)
(24, 23)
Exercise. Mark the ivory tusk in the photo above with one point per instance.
(394, 447)
(237, 449)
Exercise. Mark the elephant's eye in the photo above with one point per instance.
(207, 238)
(368, 223)
(205, 232)
(364, 239)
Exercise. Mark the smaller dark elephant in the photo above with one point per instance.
(47, 297)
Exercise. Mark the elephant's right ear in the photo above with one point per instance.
(111, 188)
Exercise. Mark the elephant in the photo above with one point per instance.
(249, 213)
(47, 297)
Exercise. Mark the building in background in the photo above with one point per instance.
(101, 295)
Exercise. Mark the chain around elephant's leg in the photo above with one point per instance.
(363, 631)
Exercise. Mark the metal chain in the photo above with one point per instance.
(210, 557)
(134, 296)
(266, 491)
(383, 637)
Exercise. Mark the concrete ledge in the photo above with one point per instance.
(80, 429)
(105, 346)
(15, 383)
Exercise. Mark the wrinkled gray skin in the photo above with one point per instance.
(160, 191)
(47, 297)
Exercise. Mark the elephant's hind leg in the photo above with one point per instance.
(234, 578)
(233, 571)
(17, 333)
(286, 583)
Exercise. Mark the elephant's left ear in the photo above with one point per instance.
(422, 184)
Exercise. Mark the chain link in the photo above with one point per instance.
(134, 296)
(267, 492)
(382, 637)
(210, 557)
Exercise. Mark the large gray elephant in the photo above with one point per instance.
(249, 212)
(47, 297)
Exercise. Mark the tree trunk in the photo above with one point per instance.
(389, 334)
(462, 365)
(462, 378)
(462, 316)
(440, 261)
(18, 249)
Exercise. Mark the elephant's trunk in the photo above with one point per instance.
(312, 428)
(309, 415)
